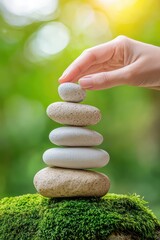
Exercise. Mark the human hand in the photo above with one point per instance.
(122, 61)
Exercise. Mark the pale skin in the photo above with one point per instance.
(122, 61)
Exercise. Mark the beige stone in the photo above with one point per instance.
(71, 92)
(58, 182)
(73, 113)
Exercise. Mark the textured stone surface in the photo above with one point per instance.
(71, 92)
(77, 158)
(73, 113)
(119, 237)
(75, 136)
(58, 182)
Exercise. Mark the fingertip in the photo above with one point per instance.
(60, 80)
(63, 80)
(66, 78)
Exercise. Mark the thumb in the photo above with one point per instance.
(104, 80)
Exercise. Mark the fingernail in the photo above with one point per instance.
(65, 73)
(86, 82)
(60, 80)
(63, 76)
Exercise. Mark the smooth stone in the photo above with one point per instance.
(76, 158)
(71, 92)
(58, 182)
(74, 113)
(75, 136)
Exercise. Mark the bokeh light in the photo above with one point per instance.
(49, 40)
(90, 25)
(117, 4)
(21, 12)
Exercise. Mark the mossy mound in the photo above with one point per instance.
(33, 217)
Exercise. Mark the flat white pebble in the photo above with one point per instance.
(71, 92)
(76, 158)
(75, 136)
(75, 114)
(60, 182)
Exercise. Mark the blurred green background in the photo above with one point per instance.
(38, 40)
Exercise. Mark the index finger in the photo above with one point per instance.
(89, 57)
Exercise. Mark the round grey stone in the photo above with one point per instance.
(71, 92)
(75, 136)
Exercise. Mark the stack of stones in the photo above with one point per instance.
(66, 174)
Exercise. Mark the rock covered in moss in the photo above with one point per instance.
(33, 217)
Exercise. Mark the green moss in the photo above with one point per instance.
(33, 217)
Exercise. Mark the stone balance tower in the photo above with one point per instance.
(66, 174)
